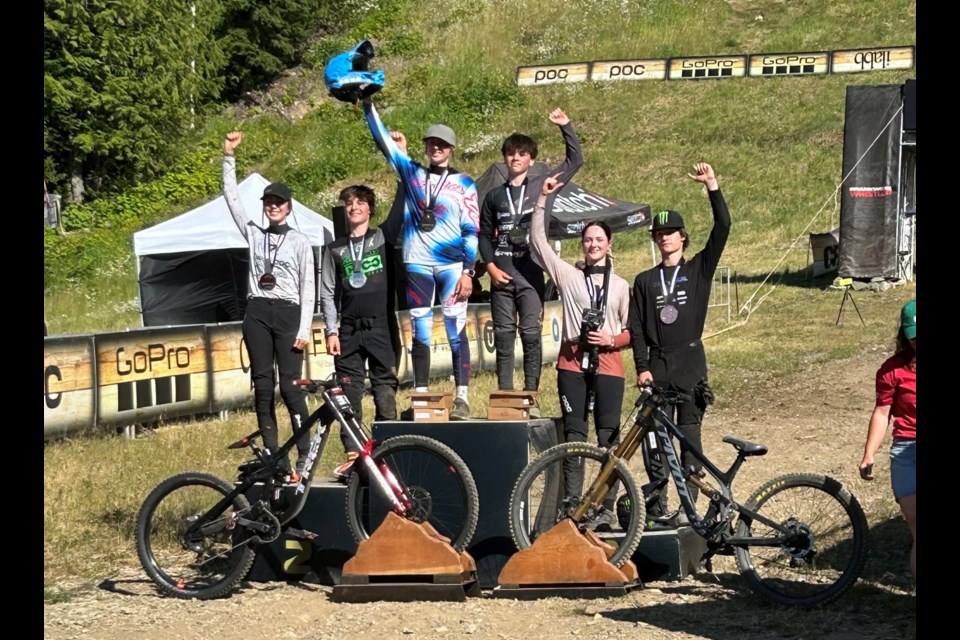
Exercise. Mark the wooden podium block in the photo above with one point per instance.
(564, 562)
(431, 406)
(404, 561)
(511, 405)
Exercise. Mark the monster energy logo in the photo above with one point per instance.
(662, 217)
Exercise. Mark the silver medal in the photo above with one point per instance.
(668, 314)
(357, 280)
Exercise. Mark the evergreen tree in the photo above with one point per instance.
(122, 79)
(261, 39)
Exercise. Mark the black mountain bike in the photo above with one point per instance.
(800, 539)
(196, 534)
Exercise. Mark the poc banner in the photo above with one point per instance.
(69, 386)
(628, 70)
(553, 74)
(151, 373)
(855, 60)
(789, 64)
(707, 67)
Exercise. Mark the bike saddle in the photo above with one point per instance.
(245, 440)
(746, 447)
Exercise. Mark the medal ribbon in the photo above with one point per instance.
(673, 283)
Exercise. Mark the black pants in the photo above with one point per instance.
(688, 417)
(368, 344)
(269, 331)
(574, 388)
(518, 305)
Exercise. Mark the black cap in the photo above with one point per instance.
(277, 189)
(668, 219)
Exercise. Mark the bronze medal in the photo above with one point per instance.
(268, 281)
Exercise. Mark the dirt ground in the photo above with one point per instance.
(814, 421)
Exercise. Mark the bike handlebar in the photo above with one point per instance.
(661, 395)
(317, 386)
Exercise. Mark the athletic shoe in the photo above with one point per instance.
(603, 522)
(342, 472)
(461, 410)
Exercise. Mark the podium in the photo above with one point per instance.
(496, 452)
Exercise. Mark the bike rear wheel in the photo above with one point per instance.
(201, 566)
(436, 479)
(539, 500)
(824, 555)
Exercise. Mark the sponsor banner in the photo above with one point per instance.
(69, 386)
(487, 340)
(552, 333)
(628, 70)
(151, 373)
(789, 64)
(826, 251)
(318, 363)
(229, 367)
(882, 59)
(553, 74)
(871, 192)
(707, 67)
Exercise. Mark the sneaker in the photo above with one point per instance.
(682, 519)
(461, 410)
(342, 472)
(661, 523)
(603, 522)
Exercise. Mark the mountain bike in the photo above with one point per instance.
(196, 533)
(800, 539)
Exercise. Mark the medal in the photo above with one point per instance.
(357, 280)
(268, 281)
(518, 235)
(428, 221)
(668, 314)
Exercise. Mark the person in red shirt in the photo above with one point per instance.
(897, 400)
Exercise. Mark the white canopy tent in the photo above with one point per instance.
(192, 269)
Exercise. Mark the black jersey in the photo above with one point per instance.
(500, 242)
(691, 281)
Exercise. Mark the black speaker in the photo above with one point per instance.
(340, 227)
(910, 105)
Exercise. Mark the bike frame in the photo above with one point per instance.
(649, 417)
(334, 398)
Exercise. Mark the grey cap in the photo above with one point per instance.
(441, 132)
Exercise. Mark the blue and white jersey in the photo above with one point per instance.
(457, 212)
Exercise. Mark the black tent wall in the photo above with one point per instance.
(194, 287)
(868, 207)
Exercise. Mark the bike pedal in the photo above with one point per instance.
(301, 534)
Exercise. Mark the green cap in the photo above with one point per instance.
(908, 320)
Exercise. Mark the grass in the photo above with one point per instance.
(776, 144)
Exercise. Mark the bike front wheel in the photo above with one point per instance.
(542, 497)
(434, 477)
(205, 564)
(824, 552)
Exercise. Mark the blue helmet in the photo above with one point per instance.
(347, 77)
